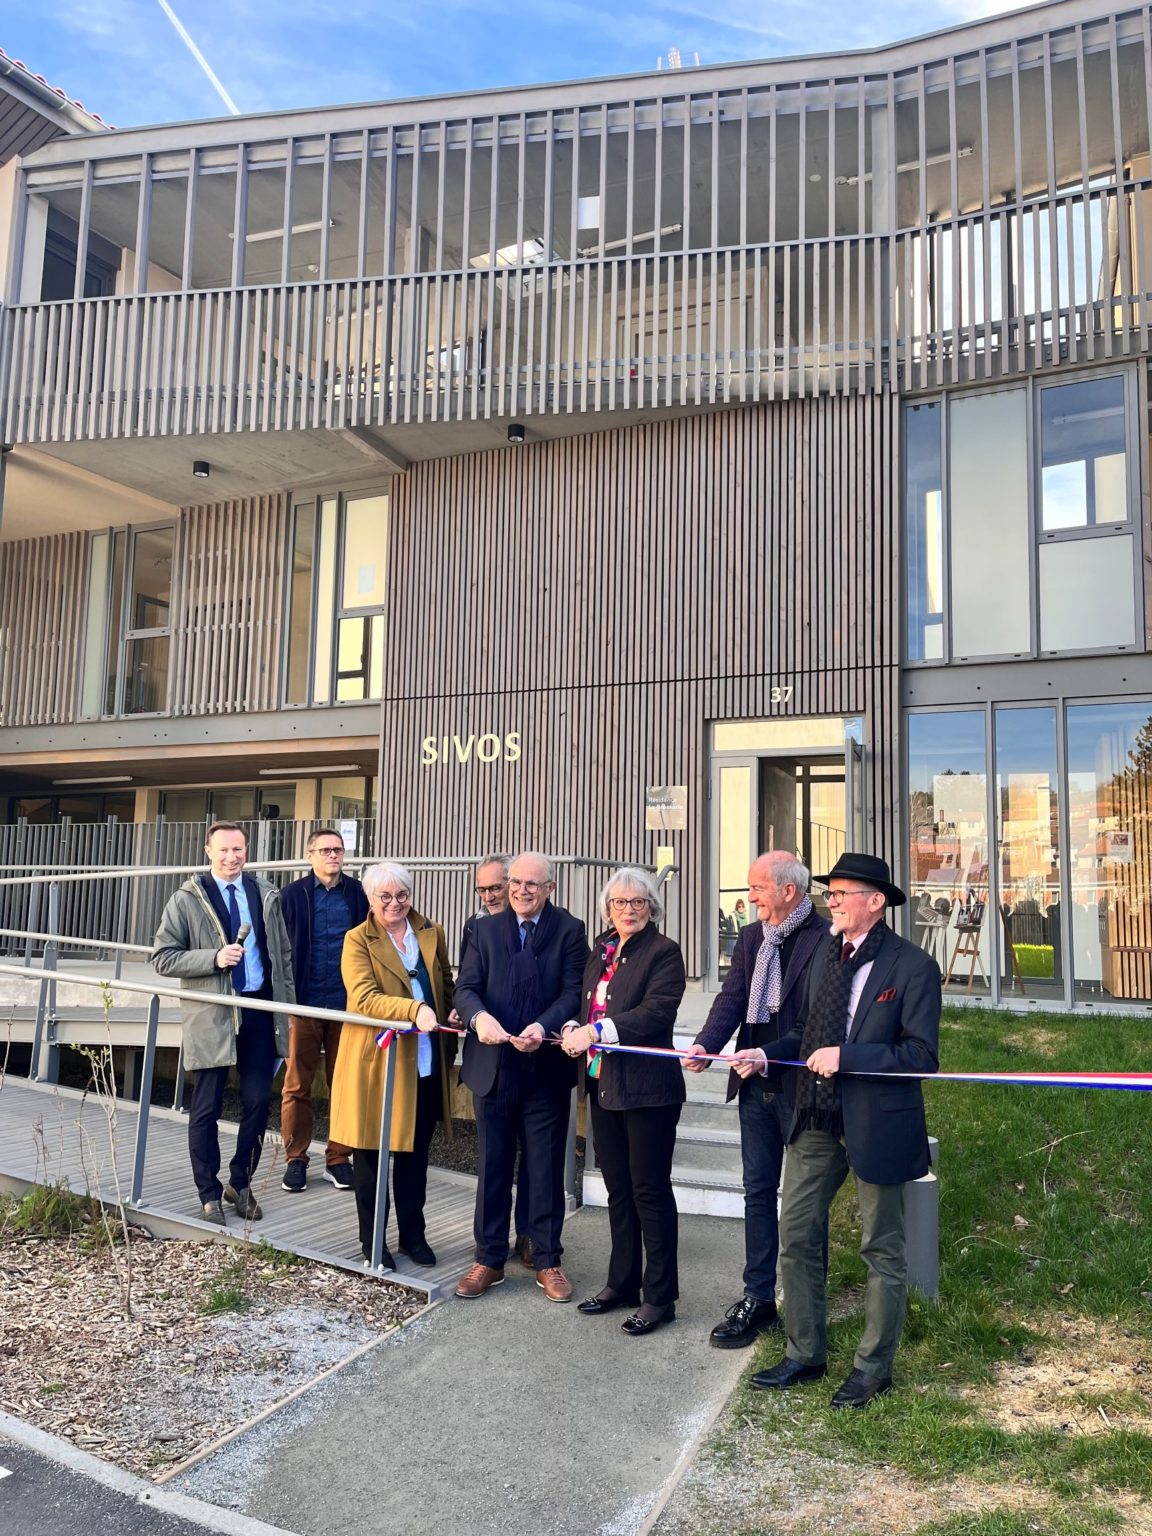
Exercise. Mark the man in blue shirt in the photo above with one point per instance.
(319, 909)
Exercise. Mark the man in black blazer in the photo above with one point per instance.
(519, 983)
(758, 1003)
(871, 1007)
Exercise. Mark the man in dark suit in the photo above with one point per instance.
(871, 1007)
(758, 1003)
(518, 985)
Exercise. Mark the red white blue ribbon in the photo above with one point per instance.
(1131, 1081)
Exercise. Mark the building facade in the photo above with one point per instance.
(666, 467)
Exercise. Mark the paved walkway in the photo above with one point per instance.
(505, 1412)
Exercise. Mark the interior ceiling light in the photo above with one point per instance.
(272, 773)
(114, 778)
(276, 234)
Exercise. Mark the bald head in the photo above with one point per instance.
(777, 884)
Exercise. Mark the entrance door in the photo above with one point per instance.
(800, 793)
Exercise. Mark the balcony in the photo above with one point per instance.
(986, 296)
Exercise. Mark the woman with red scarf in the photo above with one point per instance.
(633, 984)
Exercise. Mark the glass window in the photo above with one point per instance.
(1028, 835)
(365, 533)
(735, 828)
(325, 604)
(948, 853)
(923, 499)
(1087, 594)
(1083, 479)
(184, 804)
(96, 619)
(360, 659)
(300, 604)
(146, 675)
(127, 623)
(1110, 849)
(988, 484)
(151, 599)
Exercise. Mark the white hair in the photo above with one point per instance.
(541, 858)
(630, 878)
(377, 875)
(788, 870)
(503, 859)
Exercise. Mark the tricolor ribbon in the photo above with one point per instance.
(1131, 1081)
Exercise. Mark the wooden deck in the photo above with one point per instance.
(49, 1133)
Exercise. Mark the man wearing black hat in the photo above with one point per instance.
(871, 1008)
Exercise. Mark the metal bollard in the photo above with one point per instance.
(922, 1227)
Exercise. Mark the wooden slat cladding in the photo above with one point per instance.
(604, 598)
(41, 620)
(229, 595)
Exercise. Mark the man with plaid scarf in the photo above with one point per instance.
(868, 1029)
(759, 1002)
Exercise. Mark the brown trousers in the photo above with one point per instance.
(306, 1037)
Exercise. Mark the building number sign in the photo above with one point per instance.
(782, 693)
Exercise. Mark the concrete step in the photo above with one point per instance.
(707, 1136)
(696, 1195)
(709, 1152)
(702, 1111)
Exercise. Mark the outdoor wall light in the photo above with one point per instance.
(201, 468)
(515, 432)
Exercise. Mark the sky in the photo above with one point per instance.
(124, 60)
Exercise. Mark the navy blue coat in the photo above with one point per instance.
(728, 1015)
(884, 1128)
(296, 904)
(482, 986)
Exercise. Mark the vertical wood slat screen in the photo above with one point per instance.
(226, 626)
(606, 597)
(42, 583)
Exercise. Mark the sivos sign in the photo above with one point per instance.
(488, 748)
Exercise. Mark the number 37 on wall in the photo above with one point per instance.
(782, 693)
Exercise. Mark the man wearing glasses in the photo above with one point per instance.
(319, 909)
(758, 1003)
(871, 1007)
(518, 984)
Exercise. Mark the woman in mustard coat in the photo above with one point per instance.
(396, 971)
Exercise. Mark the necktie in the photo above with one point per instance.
(239, 974)
(847, 952)
(526, 932)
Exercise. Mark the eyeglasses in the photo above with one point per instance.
(836, 896)
(628, 903)
(335, 851)
(529, 887)
(491, 890)
(390, 899)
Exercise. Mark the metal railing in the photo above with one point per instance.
(120, 904)
(50, 976)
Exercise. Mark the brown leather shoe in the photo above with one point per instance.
(555, 1284)
(524, 1251)
(480, 1278)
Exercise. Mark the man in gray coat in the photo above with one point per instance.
(222, 934)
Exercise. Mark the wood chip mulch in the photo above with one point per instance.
(150, 1390)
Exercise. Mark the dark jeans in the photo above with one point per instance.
(255, 1064)
(634, 1151)
(764, 1121)
(520, 1221)
(409, 1173)
(501, 1119)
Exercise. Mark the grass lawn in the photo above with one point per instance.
(1025, 1391)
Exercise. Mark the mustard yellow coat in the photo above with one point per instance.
(378, 986)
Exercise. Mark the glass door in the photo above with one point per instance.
(735, 829)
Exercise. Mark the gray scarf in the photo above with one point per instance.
(766, 989)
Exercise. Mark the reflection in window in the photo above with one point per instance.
(948, 855)
(1028, 833)
(1083, 471)
(923, 498)
(128, 623)
(1110, 849)
(988, 449)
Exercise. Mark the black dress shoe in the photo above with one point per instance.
(789, 1373)
(596, 1306)
(743, 1323)
(420, 1253)
(637, 1327)
(859, 1390)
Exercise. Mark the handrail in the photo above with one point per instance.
(70, 941)
(65, 874)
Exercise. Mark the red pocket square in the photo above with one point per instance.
(887, 995)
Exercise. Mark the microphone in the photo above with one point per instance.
(242, 933)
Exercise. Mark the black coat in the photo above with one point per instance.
(896, 1029)
(483, 986)
(296, 904)
(729, 1012)
(642, 1001)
